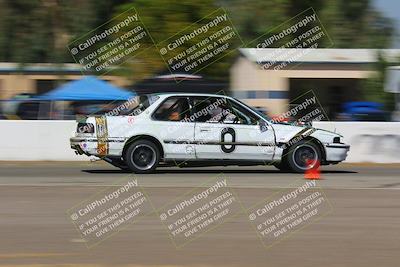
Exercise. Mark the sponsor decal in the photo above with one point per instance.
(102, 135)
(131, 120)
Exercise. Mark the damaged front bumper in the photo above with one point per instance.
(336, 152)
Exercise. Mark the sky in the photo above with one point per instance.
(391, 9)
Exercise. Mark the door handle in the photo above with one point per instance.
(204, 130)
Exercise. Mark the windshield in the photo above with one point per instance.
(259, 112)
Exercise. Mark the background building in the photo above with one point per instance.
(41, 78)
(335, 75)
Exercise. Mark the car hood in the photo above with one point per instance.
(285, 132)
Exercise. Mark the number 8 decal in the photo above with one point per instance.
(224, 132)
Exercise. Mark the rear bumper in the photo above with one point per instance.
(336, 152)
(83, 146)
(90, 146)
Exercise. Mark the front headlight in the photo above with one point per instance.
(336, 140)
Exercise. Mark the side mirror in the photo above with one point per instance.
(263, 126)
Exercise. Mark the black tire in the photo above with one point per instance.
(142, 156)
(301, 154)
(283, 165)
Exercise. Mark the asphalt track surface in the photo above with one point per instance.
(361, 229)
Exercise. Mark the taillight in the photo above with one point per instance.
(85, 128)
(336, 140)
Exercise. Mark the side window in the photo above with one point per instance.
(244, 116)
(221, 110)
(202, 109)
(172, 109)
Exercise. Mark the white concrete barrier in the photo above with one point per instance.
(377, 142)
(49, 140)
(37, 140)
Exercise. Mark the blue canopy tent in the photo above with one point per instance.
(85, 94)
(89, 89)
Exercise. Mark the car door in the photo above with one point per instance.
(172, 126)
(225, 129)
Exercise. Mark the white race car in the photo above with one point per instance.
(201, 130)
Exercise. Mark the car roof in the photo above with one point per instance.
(189, 94)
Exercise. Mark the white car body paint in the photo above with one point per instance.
(202, 141)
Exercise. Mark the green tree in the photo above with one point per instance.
(34, 31)
(355, 24)
(39, 30)
(373, 86)
(163, 19)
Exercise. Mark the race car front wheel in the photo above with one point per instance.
(303, 156)
(282, 166)
(142, 156)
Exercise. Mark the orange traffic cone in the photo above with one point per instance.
(314, 172)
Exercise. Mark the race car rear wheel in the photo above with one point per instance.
(142, 156)
(303, 156)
